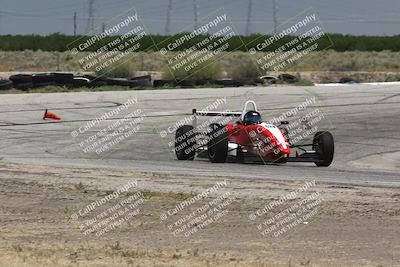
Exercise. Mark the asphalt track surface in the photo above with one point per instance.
(364, 120)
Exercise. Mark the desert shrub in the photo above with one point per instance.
(125, 69)
(244, 69)
(392, 78)
(328, 60)
(205, 71)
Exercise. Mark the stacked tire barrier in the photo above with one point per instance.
(22, 81)
(43, 80)
(40, 80)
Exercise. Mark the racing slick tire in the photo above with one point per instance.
(43, 78)
(188, 84)
(80, 82)
(5, 84)
(64, 79)
(164, 83)
(143, 81)
(288, 78)
(323, 145)
(96, 83)
(23, 86)
(269, 79)
(185, 143)
(217, 146)
(227, 83)
(21, 78)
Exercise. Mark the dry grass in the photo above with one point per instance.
(87, 254)
(318, 61)
(44, 235)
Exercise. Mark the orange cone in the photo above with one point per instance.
(49, 115)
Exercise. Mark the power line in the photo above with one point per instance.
(18, 15)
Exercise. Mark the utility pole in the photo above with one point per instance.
(75, 23)
(275, 16)
(0, 23)
(90, 22)
(168, 22)
(103, 27)
(249, 8)
(196, 13)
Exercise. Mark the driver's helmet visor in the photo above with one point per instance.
(252, 118)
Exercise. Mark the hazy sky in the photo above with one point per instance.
(359, 17)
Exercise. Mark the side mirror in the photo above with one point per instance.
(284, 122)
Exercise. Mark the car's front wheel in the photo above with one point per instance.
(323, 145)
(185, 143)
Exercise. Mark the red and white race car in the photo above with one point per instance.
(249, 138)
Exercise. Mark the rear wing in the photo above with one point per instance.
(216, 113)
(246, 108)
(202, 113)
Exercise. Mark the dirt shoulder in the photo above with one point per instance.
(91, 217)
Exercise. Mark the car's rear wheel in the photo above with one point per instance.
(217, 145)
(323, 145)
(185, 143)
